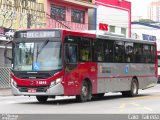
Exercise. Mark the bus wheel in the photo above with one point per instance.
(134, 89)
(158, 80)
(42, 98)
(85, 92)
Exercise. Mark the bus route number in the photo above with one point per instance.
(41, 82)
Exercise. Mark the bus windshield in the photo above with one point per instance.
(37, 56)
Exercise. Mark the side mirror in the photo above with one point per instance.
(8, 46)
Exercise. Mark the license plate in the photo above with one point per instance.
(32, 90)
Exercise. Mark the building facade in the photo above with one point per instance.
(146, 32)
(116, 14)
(17, 14)
(70, 14)
(154, 11)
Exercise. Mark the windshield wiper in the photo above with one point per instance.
(43, 45)
(39, 50)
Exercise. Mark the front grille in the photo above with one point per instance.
(37, 76)
(38, 89)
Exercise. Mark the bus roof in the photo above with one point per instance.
(115, 36)
(99, 34)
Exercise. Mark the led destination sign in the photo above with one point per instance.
(37, 34)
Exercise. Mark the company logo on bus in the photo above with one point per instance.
(32, 83)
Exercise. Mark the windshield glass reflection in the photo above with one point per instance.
(37, 56)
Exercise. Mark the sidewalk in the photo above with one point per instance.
(5, 92)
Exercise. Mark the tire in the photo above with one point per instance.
(134, 89)
(158, 80)
(85, 93)
(42, 99)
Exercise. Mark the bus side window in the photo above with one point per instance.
(98, 50)
(153, 53)
(138, 53)
(148, 53)
(85, 49)
(108, 51)
(119, 51)
(128, 52)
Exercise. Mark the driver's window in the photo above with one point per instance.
(71, 53)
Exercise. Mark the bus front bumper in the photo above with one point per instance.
(51, 91)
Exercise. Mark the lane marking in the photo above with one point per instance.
(135, 104)
(149, 109)
(145, 97)
(124, 106)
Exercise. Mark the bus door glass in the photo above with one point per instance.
(71, 71)
(71, 54)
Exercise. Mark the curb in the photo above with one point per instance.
(5, 92)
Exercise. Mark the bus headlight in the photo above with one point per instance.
(13, 82)
(55, 82)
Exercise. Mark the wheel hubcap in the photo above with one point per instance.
(84, 91)
(134, 88)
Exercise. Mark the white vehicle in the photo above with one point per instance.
(2, 36)
(9, 34)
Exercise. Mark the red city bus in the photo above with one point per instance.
(56, 62)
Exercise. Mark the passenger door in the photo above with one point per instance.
(71, 71)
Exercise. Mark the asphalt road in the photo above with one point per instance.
(148, 101)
